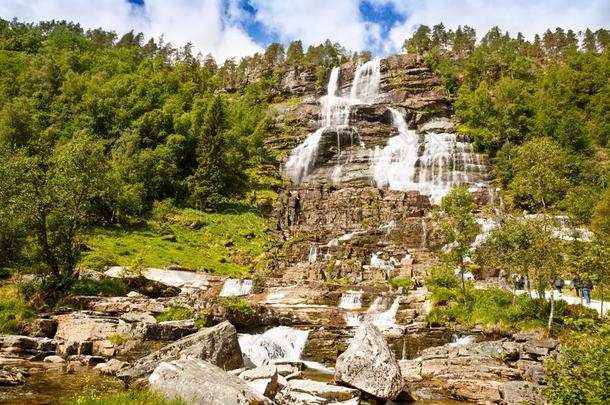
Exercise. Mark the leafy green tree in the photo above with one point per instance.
(459, 227)
(294, 53)
(542, 172)
(600, 222)
(419, 42)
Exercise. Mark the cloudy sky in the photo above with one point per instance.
(229, 28)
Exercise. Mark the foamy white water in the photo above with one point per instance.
(233, 287)
(380, 316)
(351, 300)
(279, 343)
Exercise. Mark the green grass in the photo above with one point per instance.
(397, 282)
(14, 312)
(237, 306)
(176, 313)
(109, 287)
(230, 243)
(131, 397)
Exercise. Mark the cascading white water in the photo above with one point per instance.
(445, 161)
(351, 300)
(313, 254)
(352, 319)
(462, 340)
(279, 343)
(366, 82)
(342, 238)
(487, 226)
(380, 316)
(335, 111)
(233, 287)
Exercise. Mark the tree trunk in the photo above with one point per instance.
(552, 312)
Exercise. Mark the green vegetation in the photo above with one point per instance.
(176, 313)
(581, 375)
(237, 306)
(108, 287)
(231, 243)
(14, 311)
(398, 282)
(118, 340)
(131, 397)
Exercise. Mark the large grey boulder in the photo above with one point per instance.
(369, 365)
(217, 344)
(199, 382)
(306, 392)
(30, 348)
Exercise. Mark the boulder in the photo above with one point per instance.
(263, 380)
(168, 330)
(112, 367)
(199, 382)
(306, 392)
(369, 365)
(217, 344)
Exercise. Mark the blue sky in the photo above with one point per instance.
(234, 28)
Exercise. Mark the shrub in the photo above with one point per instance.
(176, 313)
(581, 374)
(442, 277)
(398, 282)
(237, 306)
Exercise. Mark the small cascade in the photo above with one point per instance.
(352, 319)
(351, 300)
(335, 111)
(233, 287)
(313, 254)
(424, 233)
(462, 340)
(380, 316)
(279, 343)
(487, 226)
(342, 238)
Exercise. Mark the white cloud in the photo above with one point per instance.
(526, 16)
(314, 21)
(201, 22)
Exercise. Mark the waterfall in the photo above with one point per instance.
(351, 300)
(313, 254)
(366, 82)
(233, 287)
(352, 319)
(462, 341)
(279, 343)
(303, 158)
(342, 238)
(381, 317)
(335, 111)
(444, 162)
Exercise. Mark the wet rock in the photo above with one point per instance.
(54, 359)
(263, 380)
(306, 392)
(112, 367)
(31, 348)
(11, 376)
(85, 360)
(138, 317)
(199, 382)
(217, 344)
(135, 294)
(42, 327)
(411, 370)
(369, 365)
(476, 390)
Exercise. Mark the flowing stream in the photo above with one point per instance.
(233, 287)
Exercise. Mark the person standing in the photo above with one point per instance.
(587, 286)
(558, 283)
(576, 282)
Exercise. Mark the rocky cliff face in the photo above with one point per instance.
(367, 162)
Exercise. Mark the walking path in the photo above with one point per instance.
(570, 299)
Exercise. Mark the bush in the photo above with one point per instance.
(237, 306)
(581, 374)
(442, 277)
(176, 313)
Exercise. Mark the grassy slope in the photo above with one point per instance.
(231, 243)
